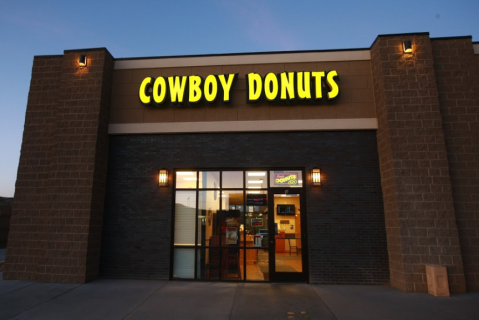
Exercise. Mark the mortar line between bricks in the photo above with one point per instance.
(433, 306)
(334, 315)
(147, 298)
(52, 298)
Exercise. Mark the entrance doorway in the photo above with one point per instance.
(286, 256)
(239, 225)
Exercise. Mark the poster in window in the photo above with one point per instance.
(286, 179)
(257, 222)
(231, 235)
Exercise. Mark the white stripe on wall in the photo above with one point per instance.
(245, 126)
(353, 55)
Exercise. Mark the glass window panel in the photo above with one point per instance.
(286, 179)
(230, 227)
(256, 180)
(233, 204)
(208, 206)
(184, 263)
(209, 180)
(186, 179)
(208, 264)
(232, 179)
(231, 268)
(256, 217)
(185, 217)
(262, 265)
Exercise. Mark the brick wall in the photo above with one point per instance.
(418, 202)
(345, 221)
(457, 76)
(30, 215)
(57, 212)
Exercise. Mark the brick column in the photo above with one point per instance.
(419, 212)
(31, 205)
(57, 235)
(457, 76)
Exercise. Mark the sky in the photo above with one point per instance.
(164, 28)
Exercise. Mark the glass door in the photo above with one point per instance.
(287, 230)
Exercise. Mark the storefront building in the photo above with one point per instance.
(330, 167)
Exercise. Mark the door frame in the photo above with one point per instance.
(288, 276)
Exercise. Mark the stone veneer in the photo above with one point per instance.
(55, 229)
(418, 199)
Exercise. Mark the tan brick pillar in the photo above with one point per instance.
(58, 206)
(419, 211)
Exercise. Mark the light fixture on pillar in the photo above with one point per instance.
(82, 61)
(316, 176)
(163, 178)
(407, 46)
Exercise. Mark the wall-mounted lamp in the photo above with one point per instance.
(407, 46)
(163, 178)
(316, 176)
(82, 61)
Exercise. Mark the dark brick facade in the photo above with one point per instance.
(457, 77)
(55, 228)
(414, 182)
(345, 221)
(418, 201)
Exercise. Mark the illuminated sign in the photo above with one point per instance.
(292, 86)
(190, 89)
(284, 87)
(286, 179)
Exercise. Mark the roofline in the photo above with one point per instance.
(452, 38)
(399, 35)
(90, 49)
(239, 54)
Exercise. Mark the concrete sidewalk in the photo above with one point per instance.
(138, 299)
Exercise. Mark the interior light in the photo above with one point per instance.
(316, 176)
(256, 174)
(407, 46)
(255, 181)
(163, 178)
(185, 173)
(82, 61)
(254, 187)
(253, 192)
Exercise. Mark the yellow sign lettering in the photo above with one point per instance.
(159, 91)
(227, 85)
(333, 86)
(271, 86)
(318, 91)
(194, 83)
(287, 86)
(211, 88)
(304, 85)
(177, 89)
(143, 94)
(254, 87)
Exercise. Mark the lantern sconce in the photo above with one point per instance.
(407, 46)
(82, 61)
(316, 176)
(163, 178)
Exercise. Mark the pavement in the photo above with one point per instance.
(143, 299)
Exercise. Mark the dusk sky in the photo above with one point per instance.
(164, 28)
